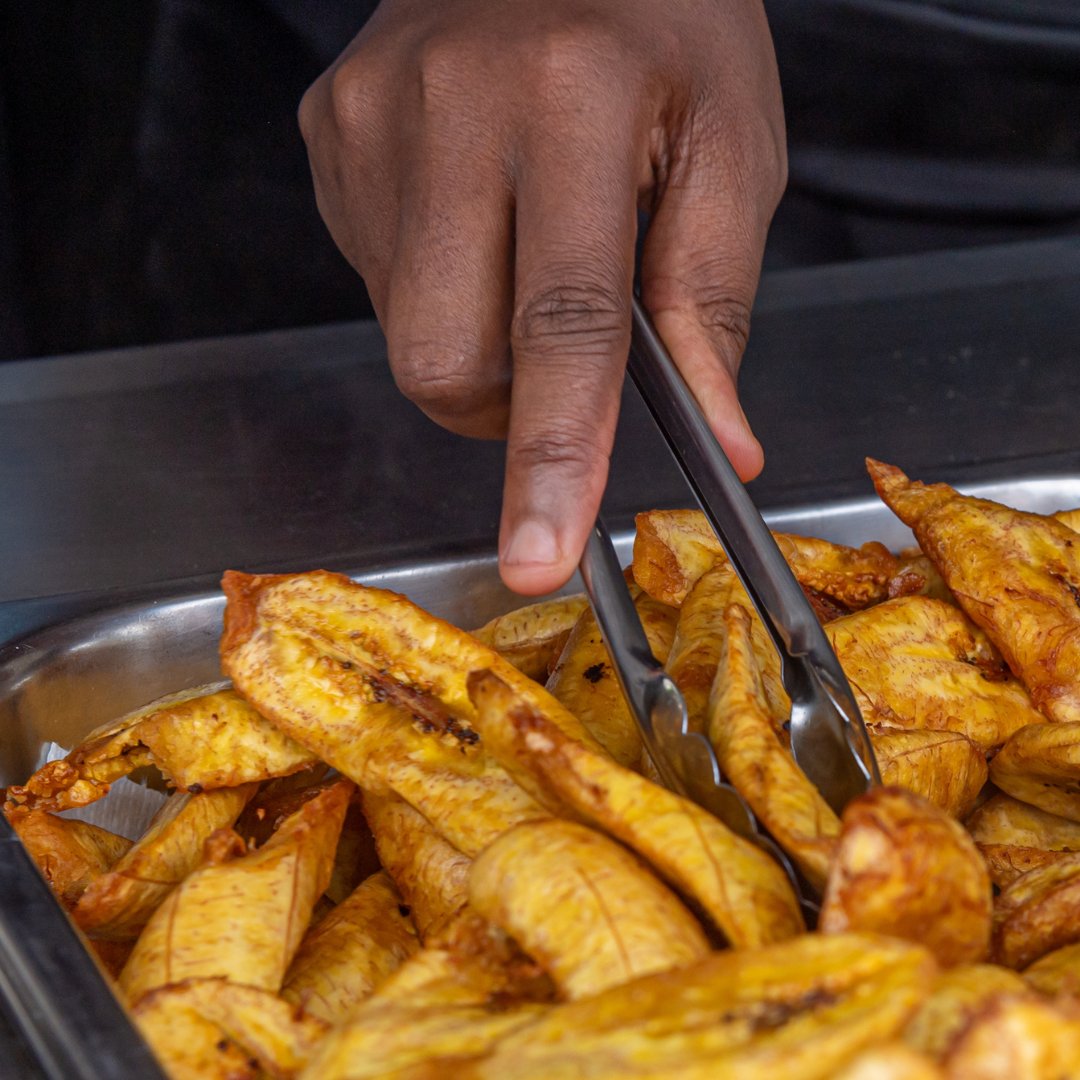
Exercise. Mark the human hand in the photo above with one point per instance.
(481, 164)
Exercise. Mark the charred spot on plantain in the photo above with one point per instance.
(1073, 590)
(194, 789)
(404, 910)
(596, 672)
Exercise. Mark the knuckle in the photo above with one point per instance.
(720, 307)
(439, 380)
(588, 319)
(568, 448)
(568, 61)
(442, 67)
(310, 110)
(351, 95)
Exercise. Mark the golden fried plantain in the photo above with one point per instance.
(906, 868)
(1056, 973)
(944, 767)
(1016, 575)
(362, 941)
(673, 548)
(70, 854)
(432, 875)
(583, 907)
(918, 576)
(532, 637)
(242, 918)
(893, 1061)
(1015, 837)
(916, 662)
(1040, 764)
(955, 997)
(742, 891)
(118, 904)
(754, 760)
(1071, 518)
(1038, 912)
(585, 682)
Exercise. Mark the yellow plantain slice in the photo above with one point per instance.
(532, 637)
(242, 919)
(585, 682)
(589, 913)
(1038, 912)
(743, 892)
(1015, 837)
(956, 996)
(906, 868)
(916, 662)
(673, 548)
(1071, 518)
(432, 875)
(1016, 575)
(1018, 1039)
(1040, 764)
(754, 760)
(944, 767)
(118, 904)
(70, 854)
(351, 951)
(893, 1061)
(1056, 973)
(275, 1039)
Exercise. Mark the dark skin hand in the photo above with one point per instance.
(481, 164)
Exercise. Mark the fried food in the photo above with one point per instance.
(1015, 837)
(583, 907)
(1056, 973)
(916, 662)
(944, 767)
(904, 867)
(1040, 764)
(1038, 913)
(242, 916)
(532, 637)
(357, 946)
(1016, 575)
(585, 682)
(740, 889)
(893, 1061)
(118, 904)
(754, 760)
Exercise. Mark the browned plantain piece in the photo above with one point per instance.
(1038, 912)
(118, 904)
(1017, 575)
(673, 548)
(532, 637)
(893, 1061)
(432, 875)
(242, 918)
(754, 760)
(589, 913)
(1071, 518)
(955, 997)
(201, 1023)
(1056, 973)
(1040, 764)
(1016, 1038)
(743, 892)
(916, 662)
(1015, 837)
(585, 682)
(70, 854)
(944, 767)
(353, 949)
(918, 576)
(906, 868)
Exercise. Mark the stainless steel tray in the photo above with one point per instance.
(59, 683)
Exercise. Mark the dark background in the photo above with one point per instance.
(154, 187)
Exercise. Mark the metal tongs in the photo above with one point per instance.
(828, 738)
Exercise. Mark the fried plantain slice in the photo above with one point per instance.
(70, 854)
(242, 918)
(906, 868)
(916, 662)
(893, 1061)
(433, 876)
(944, 767)
(179, 1022)
(1056, 973)
(1038, 913)
(1040, 765)
(532, 637)
(359, 944)
(590, 913)
(585, 682)
(1016, 575)
(118, 904)
(673, 548)
(741, 890)
(956, 997)
(1071, 518)
(1015, 837)
(1015, 1038)
(754, 760)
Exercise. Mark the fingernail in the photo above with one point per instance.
(532, 543)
